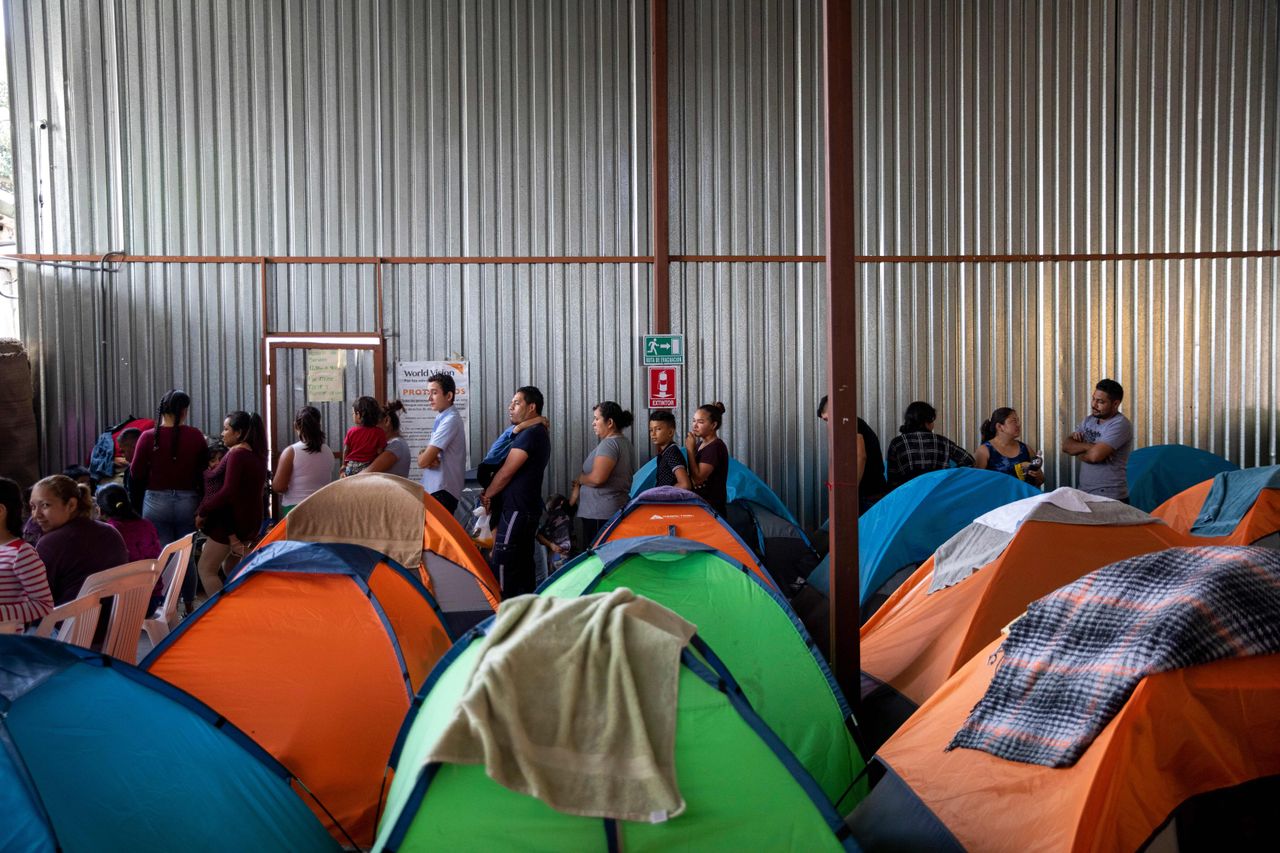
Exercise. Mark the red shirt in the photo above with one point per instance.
(363, 444)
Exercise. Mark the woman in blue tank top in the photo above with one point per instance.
(1002, 451)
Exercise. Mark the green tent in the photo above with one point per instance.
(761, 744)
(752, 629)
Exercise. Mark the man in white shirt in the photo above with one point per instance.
(444, 459)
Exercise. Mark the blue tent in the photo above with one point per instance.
(1159, 472)
(742, 485)
(96, 754)
(909, 523)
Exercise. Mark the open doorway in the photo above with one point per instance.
(327, 371)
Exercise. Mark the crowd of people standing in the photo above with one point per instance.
(175, 482)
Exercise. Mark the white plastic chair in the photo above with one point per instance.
(78, 618)
(129, 588)
(172, 564)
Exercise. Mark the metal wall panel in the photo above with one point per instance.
(572, 331)
(745, 116)
(301, 128)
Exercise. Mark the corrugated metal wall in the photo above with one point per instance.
(519, 128)
(333, 128)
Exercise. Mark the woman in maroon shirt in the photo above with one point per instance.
(231, 512)
(73, 545)
(169, 462)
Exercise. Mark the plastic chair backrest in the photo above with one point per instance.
(129, 586)
(172, 564)
(79, 618)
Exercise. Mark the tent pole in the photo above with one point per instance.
(842, 343)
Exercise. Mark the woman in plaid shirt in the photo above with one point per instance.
(918, 449)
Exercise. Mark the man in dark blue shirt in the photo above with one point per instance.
(518, 484)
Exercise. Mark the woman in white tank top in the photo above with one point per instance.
(306, 465)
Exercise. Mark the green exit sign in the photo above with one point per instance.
(662, 349)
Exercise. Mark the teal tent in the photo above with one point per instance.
(906, 526)
(98, 755)
(1159, 472)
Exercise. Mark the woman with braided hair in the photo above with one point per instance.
(168, 467)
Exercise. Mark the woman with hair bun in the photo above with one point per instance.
(709, 456)
(604, 485)
(72, 545)
(231, 512)
(304, 466)
(917, 449)
(395, 459)
(1001, 450)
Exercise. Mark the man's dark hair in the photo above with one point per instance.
(1112, 389)
(663, 416)
(822, 405)
(445, 381)
(532, 396)
(130, 433)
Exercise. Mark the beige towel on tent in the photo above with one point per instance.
(378, 511)
(574, 702)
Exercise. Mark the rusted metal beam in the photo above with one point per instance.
(660, 191)
(842, 343)
(551, 260)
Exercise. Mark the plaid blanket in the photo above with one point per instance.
(1070, 664)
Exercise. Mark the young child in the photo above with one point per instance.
(672, 468)
(217, 450)
(140, 537)
(556, 531)
(365, 440)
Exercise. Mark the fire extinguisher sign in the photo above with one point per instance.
(663, 382)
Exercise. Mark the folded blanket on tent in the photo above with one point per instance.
(989, 534)
(574, 702)
(359, 512)
(1230, 498)
(1071, 663)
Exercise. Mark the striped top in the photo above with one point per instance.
(24, 585)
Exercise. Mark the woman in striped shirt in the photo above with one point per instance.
(24, 586)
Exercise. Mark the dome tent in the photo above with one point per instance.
(743, 789)
(754, 632)
(1006, 559)
(665, 511)
(1234, 508)
(315, 651)
(88, 742)
(394, 516)
(1159, 472)
(761, 520)
(911, 522)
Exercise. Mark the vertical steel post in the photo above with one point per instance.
(842, 342)
(659, 190)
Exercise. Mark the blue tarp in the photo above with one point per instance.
(743, 485)
(104, 757)
(909, 523)
(1230, 497)
(1158, 473)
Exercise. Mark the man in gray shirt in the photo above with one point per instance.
(1102, 444)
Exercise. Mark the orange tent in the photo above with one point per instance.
(919, 638)
(1218, 727)
(314, 651)
(676, 512)
(1259, 526)
(395, 517)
